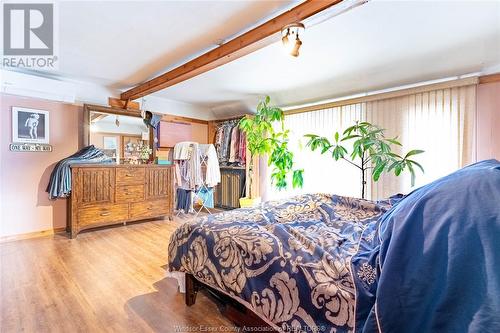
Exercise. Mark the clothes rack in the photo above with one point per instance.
(192, 160)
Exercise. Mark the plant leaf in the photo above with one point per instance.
(350, 137)
(379, 168)
(417, 164)
(394, 141)
(298, 178)
(412, 172)
(413, 152)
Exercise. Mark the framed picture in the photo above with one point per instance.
(109, 142)
(30, 125)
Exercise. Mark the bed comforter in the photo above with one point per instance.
(431, 263)
(287, 261)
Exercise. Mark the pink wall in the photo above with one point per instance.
(488, 121)
(25, 206)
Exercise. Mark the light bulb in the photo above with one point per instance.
(285, 41)
(295, 50)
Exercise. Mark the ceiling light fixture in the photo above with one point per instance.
(289, 32)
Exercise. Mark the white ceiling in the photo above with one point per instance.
(127, 120)
(122, 43)
(378, 45)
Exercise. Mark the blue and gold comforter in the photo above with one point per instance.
(288, 261)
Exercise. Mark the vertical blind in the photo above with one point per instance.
(441, 122)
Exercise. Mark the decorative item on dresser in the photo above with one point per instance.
(106, 194)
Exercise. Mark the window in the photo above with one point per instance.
(441, 122)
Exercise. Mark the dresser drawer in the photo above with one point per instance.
(129, 176)
(149, 208)
(129, 193)
(102, 214)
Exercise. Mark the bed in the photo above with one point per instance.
(325, 263)
(287, 261)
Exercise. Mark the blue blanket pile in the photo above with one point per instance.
(60, 179)
(432, 263)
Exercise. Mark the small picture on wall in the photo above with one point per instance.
(109, 142)
(30, 125)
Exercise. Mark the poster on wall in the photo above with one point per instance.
(109, 142)
(30, 125)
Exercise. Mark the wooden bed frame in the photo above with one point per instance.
(229, 307)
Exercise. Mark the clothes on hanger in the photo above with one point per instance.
(190, 158)
(212, 174)
(234, 146)
(155, 120)
(205, 196)
(187, 164)
(223, 141)
(184, 200)
(219, 134)
(228, 142)
(242, 155)
(182, 150)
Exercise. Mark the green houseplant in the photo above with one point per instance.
(264, 139)
(371, 150)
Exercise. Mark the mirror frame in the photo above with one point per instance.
(88, 108)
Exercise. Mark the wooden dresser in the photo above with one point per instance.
(104, 194)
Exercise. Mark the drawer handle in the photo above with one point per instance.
(150, 208)
(105, 214)
(128, 175)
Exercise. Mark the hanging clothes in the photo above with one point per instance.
(184, 200)
(182, 150)
(219, 138)
(187, 160)
(205, 196)
(228, 143)
(189, 157)
(212, 174)
(235, 143)
(242, 154)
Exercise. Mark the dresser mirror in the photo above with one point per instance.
(119, 133)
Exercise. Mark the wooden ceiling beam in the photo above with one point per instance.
(489, 78)
(95, 117)
(247, 43)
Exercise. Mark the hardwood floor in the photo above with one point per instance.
(110, 280)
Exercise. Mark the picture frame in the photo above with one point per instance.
(110, 142)
(30, 125)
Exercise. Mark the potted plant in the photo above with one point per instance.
(371, 150)
(264, 139)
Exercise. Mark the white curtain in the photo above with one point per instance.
(321, 172)
(441, 122)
